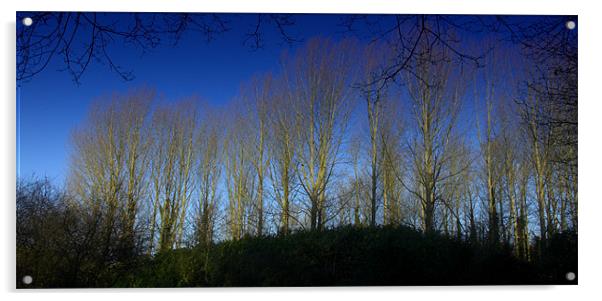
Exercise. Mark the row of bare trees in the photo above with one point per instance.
(321, 143)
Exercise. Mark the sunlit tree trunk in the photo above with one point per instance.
(283, 143)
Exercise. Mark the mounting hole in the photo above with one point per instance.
(570, 276)
(27, 279)
(571, 25)
(27, 21)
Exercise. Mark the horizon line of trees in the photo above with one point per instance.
(483, 154)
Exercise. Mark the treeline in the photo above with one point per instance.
(486, 155)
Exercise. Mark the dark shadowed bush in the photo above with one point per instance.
(344, 256)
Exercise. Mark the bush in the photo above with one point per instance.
(345, 256)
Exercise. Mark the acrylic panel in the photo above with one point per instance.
(269, 150)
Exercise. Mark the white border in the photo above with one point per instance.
(589, 145)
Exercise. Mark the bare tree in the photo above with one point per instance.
(435, 99)
(240, 176)
(174, 130)
(283, 143)
(259, 98)
(391, 130)
(209, 147)
(489, 143)
(549, 110)
(110, 164)
(375, 59)
(539, 157)
(319, 79)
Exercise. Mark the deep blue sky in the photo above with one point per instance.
(50, 105)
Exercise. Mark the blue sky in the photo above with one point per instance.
(50, 105)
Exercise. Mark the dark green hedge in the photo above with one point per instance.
(348, 256)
